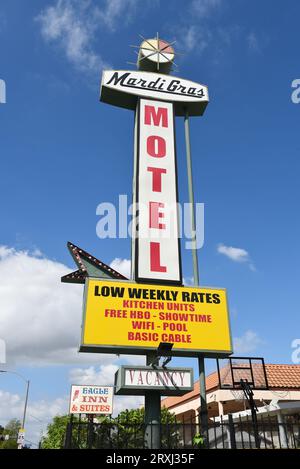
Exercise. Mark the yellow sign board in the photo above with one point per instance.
(126, 317)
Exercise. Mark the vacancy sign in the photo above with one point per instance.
(135, 380)
(91, 400)
(126, 317)
(157, 255)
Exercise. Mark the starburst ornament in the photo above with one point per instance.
(155, 55)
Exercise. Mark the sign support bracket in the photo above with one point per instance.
(201, 363)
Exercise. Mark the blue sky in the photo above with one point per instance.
(63, 152)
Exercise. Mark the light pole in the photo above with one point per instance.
(27, 391)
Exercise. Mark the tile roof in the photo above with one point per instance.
(283, 376)
(279, 377)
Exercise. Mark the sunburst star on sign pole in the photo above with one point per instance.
(155, 55)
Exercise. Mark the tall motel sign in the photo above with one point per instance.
(153, 313)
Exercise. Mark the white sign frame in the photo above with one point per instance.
(136, 380)
(76, 399)
(168, 239)
(122, 88)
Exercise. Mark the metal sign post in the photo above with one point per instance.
(201, 363)
(152, 412)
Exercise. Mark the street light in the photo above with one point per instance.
(27, 391)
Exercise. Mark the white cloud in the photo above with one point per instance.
(40, 317)
(257, 42)
(190, 38)
(114, 10)
(71, 24)
(10, 404)
(235, 254)
(102, 376)
(121, 265)
(195, 38)
(197, 34)
(253, 43)
(127, 402)
(198, 31)
(39, 413)
(204, 8)
(248, 342)
(188, 281)
(5, 251)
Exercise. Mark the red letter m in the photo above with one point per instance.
(156, 116)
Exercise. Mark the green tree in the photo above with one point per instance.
(124, 431)
(9, 444)
(128, 428)
(11, 429)
(55, 433)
